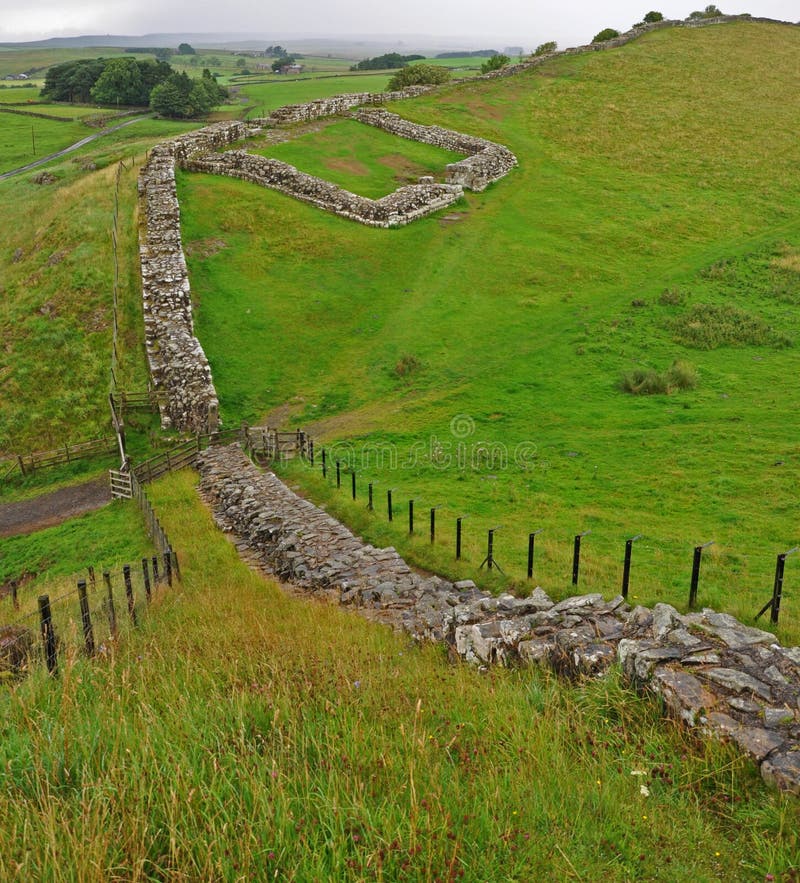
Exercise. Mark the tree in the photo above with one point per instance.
(282, 62)
(186, 49)
(494, 63)
(709, 12)
(240, 62)
(121, 83)
(653, 17)
(546, 48)
(418, 75)
(606, 34)
(180, 96)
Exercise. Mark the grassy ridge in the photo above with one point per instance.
(526, 314)
(243, 734)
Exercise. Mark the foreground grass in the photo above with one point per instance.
(243, 734)
(478, 363)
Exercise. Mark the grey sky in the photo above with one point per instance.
(517, 22)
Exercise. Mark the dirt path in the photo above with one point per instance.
(47, 510)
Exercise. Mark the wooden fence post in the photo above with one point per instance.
(175, 564)
(112, 613)
(126, 575)
(146, 575)
(168, 567)
(86, 620)
(48, 634)
(14, 598)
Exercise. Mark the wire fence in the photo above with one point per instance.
(89, 618)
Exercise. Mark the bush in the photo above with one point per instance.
(671, 297)
(606, 34)
(707, 327)
(679, 376)
(546, 48)
(494, 63)
(418, 75)
(653, 17)
(407, 366)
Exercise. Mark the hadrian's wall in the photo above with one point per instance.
(177, 362)
(710, 671)
(401, 207)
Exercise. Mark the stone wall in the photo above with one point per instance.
(177, 362)
(712, 673)
(486, 161)
(339, 104)
(405, 205)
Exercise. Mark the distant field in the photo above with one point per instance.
(19, 61)
(619, 244)
(267, 96)
(15, 94)
(359, 158)
(23, 139)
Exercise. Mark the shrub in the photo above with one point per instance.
(647, 381)
(546, 48)
(407, 366)
(418, 75)
(653, 17)
(605, 34)
(494, 63)
(671, 297)
(707, 327)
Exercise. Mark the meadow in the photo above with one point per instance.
(244, 734)
(476, 360)
(653, 218)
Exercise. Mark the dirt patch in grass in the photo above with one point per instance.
(405, 169)
(346, 164)
(788, 259)
(205, 248)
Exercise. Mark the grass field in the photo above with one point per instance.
(363, 160)
(24, 139)
(651, 208)
(242, 734)
(266, 96)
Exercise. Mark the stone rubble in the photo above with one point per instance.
(710, 671)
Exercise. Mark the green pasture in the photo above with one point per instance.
(483, 356)
(11, 93)
(268, 95)
(25, 59)
(24, 139)
(361, 159)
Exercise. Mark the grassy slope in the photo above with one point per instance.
(639, 171)
(242, 734)
(55, 314)
(24, 139)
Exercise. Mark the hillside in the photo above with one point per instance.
(656, 203)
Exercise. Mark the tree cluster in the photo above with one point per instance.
(709, 12)
(127, 81)
(418, 75)
(390, 61)
(133, 83)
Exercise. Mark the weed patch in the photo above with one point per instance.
(709, 326)
(647, 381)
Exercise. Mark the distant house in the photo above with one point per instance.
(18, 77)
(292, 69)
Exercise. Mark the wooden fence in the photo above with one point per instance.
(29, 463)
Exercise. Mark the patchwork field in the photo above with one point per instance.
(653, 219)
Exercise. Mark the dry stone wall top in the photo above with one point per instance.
(712, 672)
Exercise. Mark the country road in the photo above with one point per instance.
(66, 150)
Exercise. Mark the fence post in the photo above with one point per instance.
(156, 577)
(389, 503)
(698, 552)
(14, 598)
(338, 474)
(311, 452)
(168, 567)
(353, 482)
(458, 537)
(626, 567)
(531, 550)
(489, 559)
(576, 556)
(86, 620)
(126, 575)
(369, 503)
(176, 567)
(112, 613)
(411, 516)
(324, 464)
(48, 634)
(146, 575)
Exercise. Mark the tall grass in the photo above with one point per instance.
(243, 734)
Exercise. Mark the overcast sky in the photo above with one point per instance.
(518, 22)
